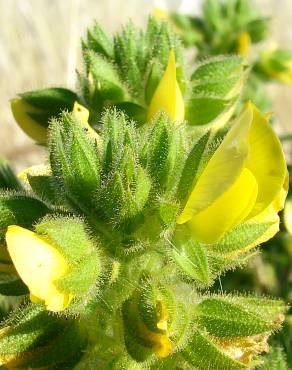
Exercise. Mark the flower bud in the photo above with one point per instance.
(57, 262)
(168, 96)
(276, 64)
(34, 109)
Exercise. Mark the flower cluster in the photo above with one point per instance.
(154, 187)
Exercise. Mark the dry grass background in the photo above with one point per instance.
(39, 46)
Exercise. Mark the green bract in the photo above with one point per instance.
(115, 213)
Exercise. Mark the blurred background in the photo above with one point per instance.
(39, 47)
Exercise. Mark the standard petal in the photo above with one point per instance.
(37, 263)
(266, 161)
(167, 96)
(223, 168)
(232, 207)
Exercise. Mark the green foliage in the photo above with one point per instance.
(222, 22)
(109, 204)
(49, 342)
(74, 161)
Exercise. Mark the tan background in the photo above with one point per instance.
(39, 46)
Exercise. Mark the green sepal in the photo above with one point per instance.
(43, 186)
(168, 210)
(163, 152)
(83, 276)
(75, 162)
(105, 77)
(216, 85)
(203, 110)
(8, 179)
(69, 234)
(98, 41)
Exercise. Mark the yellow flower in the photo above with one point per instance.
(21, 111)
(243, 43)
(39, 265)
(244, 181)
(167, 96)
(277, 64)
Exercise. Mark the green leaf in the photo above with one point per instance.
(225, 317)
(191, 258)
(20, 209)
(203, 353)
(203, 110)
(219, 68)
(240, 237)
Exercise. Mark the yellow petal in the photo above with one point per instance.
(243, 43)
(227, 211)
(223, 168)
(266, 161)
(21, 110)
(167, 96)
(81, 112)
(39, 265)
(37, 170)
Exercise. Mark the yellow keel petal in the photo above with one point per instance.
(209, 225)
(39, 265)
